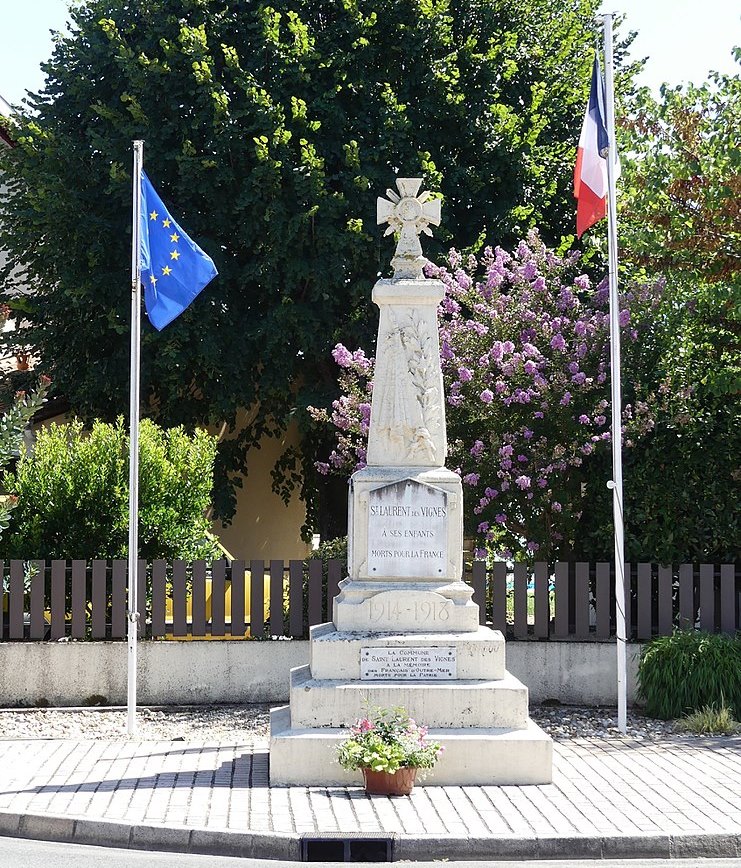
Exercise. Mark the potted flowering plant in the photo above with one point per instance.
(388, 747)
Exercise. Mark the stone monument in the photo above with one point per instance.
(405, 631)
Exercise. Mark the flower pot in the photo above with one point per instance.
(399, 783)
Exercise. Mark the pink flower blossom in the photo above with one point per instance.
(342, 356)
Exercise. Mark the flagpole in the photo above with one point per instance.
(616, 483)
(133, 607)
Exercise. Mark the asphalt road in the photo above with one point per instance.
(23, 853)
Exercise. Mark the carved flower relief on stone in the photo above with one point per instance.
(410, 410)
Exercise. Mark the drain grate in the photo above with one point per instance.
(346, 849)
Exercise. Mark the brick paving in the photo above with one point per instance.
(602, 788)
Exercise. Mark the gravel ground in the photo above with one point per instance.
(249, 724)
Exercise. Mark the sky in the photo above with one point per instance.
(683, 39)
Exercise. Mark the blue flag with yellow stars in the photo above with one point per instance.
(174, 268)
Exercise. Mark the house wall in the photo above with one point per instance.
(263, 526)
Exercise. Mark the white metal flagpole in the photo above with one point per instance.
(133, 608)
(616, 483)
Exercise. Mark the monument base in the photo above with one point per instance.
(307, 757)
(456, 683)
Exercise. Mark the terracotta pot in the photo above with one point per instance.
(399, 783)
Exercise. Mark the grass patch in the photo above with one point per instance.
(709, 720)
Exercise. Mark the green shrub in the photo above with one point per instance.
(72, 494)
(687, 671)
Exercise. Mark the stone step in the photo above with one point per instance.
(497, 703)
(336, 654)
(473, 757)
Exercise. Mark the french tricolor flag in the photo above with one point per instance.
(590, 173)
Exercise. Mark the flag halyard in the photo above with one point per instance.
(174, 269)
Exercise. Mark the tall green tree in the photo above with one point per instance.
(680, 215)
(271, 128)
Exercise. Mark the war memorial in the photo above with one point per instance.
(405, 631)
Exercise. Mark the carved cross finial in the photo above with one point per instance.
(408, 214)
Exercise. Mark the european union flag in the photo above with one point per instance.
(174, 268)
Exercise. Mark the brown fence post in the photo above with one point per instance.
(118, 599)
(16, 604)
(159, 593)
(58, 598)
(38, 588)
(276, 598)
(521, 601)
(79, 570)
(99, 598)
(728, 598)
(478, 581)
(218, 600)
(499, 597)
(581, 600)
(179, 599)
(542, 601)
(198, 599)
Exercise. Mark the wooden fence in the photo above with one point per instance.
(52, 600)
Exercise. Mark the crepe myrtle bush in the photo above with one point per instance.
(524, 347)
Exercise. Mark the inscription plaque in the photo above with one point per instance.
(407, 531)
(409, 664)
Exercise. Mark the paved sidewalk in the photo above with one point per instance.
(610, 798)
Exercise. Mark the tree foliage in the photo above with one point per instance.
(270, 129)
(72, 493)
(679, 218)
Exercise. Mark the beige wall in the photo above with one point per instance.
(263, 526)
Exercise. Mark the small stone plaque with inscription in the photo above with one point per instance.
(407, 531)
(408, 664)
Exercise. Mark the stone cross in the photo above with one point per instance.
(408, 214)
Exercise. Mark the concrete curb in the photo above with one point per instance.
(287, 846)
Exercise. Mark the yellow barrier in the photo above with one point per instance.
(227, 608)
